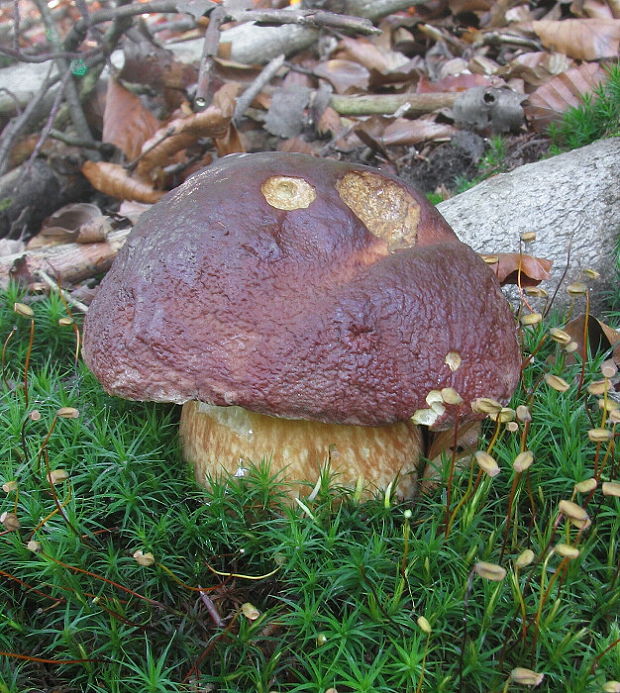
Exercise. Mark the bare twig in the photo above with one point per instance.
(310, 18)
(19, 123)
(266, 75)
(77, 114)
(389, 103)
(204, 93)
(43, 275)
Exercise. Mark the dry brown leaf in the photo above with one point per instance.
(597, 9)
(537, 67)
(80, 222)
(181, 132)
(600, 336)
(519, 269)
(378, 61)
(127, 124)
(460, 82)
(442, 445)
(582, 39)
(402, 131)
(560, 93)
(345, 76)
(114, 180)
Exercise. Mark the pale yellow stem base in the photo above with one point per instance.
(218, 440)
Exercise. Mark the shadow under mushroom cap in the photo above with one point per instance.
(300, 288)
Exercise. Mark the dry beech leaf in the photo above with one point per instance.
(329, 121)
(601, 337)
(78, 223)
(442, 445)
(537, 67)
(402, 131)
(184, 131)
(345, 76)
(515, 268)
(595, 9)
(126, 122)
(453, 83)
(582, 39)
(114, 180)
(132, 210)
(377, 60)
(560, 93)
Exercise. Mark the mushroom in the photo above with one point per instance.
(304, 311)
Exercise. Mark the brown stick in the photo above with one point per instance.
(71, 262)
(389, 103)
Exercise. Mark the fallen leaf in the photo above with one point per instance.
(113, 180)
(345, 76)
(557, 95)
(600, 337)
(515, 268)
(127, 124)
(81, 222)
(582, 39)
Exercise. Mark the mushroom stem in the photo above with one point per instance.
(218, 440)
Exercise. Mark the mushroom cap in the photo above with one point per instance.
(305, 289)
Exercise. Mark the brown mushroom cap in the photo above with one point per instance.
(300, 288)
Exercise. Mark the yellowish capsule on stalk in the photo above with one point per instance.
(250, 611)
(566, 551)
(528, 236)
(571, 347)
(424, 625)
(535, 291)
(68, 413)
(523, 461)
(608, 405)
(559, 336)
(556, 383)
(577, 288)
(451, 396)
(144, 559)
(611, 687)
(523, 413)
(34, 415)
(453, 360)
(586, 486)
(321, 639)
(490, 571)
(64, 322)
(512, 426)
(9, 486)
(600, 435)
(485, 405)
(609, 368)
(10, 521)
(487, 463)
(531, 319)
(23, 310)
(589, 273)
(34, 546)
(599, 387)
(614, 416)
(57, 476)
(525, 558)
(526, 677)
(572, 510)
(504, 415)
(611, 488)
(490, 259)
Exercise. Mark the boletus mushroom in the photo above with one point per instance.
(301, 310)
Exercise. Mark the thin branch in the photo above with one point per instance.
(209, 51)
(266, 75)
(67, 296)
(315, 19)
